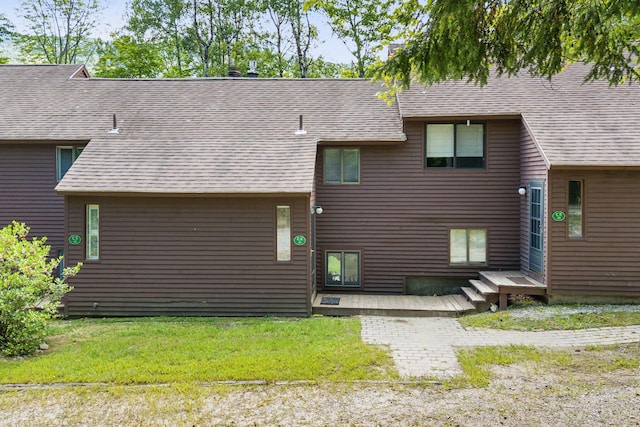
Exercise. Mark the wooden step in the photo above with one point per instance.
(462, 305)
(473, 296)
(480, 302)
(483, 288)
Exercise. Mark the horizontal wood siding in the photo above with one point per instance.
(533, 168)
(27, 182)
(607, 261)
(189, 256)
(400, 214)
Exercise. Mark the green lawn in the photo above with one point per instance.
(560, 317)
(164, 350)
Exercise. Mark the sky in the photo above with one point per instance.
(113, 17)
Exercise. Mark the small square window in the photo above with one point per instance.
(341, 166)
(468, 246)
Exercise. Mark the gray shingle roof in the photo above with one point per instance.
(575, 124)
(201, 136)
(192, 136)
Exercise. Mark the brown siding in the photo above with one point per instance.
(27, 182)
(607, 260)
(533, 168)
(400, 213)
(189, 256)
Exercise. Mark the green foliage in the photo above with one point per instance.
(467, 39)
(125, 57)
(163, 23)
(362, 25)
(170, 350)
(59, 30)
(6, 29)
(29, 294)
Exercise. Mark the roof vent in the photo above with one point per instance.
(301, 130)
(253, 73)
(114, 129)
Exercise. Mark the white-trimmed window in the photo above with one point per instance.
(341, 165)
(576, 228)
(468, 246)
(283, 233)
(65, 156)
(342, 268)
(93, 232)
(459, 146)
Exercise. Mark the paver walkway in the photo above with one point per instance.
(424, 346)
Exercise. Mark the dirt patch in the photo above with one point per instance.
(519, 395)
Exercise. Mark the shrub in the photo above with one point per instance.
(30, 292)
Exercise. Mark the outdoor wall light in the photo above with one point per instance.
(317, 210)
(522, 191)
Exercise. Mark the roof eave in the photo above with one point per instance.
(133, 193)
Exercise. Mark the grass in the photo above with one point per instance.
(152, 351)
(535, 319)
(477, 363)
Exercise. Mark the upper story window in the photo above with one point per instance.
(459, 146)
(341, 165)
(65, 156)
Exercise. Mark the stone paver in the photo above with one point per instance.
(425, 346)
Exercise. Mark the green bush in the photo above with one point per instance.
(30, 292)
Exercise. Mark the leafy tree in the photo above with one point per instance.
(219, 30)
(125, 57)
(467, 38)
(163, 23)
(362, 25)
(277, 12)
(6, 29)
(29, 291)
(59, 30)
(303, 34)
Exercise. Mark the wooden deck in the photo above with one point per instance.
(391, 305)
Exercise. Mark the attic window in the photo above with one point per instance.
(65, 156)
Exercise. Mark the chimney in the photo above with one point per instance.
(253, 73)
(234, 71)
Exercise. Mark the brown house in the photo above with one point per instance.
(246, 196)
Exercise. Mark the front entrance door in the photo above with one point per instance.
(536, 226)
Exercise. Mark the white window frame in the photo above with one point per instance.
(92, 230)
(75, 153)
(575, 215)
(468, 260)
(283, 234)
